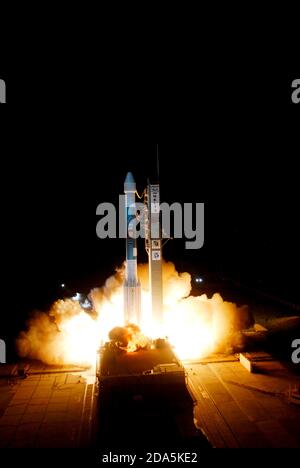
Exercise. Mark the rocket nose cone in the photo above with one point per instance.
(129, 178)
(129, 184)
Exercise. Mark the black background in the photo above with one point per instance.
(69, 135)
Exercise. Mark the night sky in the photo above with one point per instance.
(235, 149)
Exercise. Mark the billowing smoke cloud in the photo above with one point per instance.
(199, 325)
(195, 326)
(67, 334)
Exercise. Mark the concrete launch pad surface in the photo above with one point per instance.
(47, 409)
(54, 407)
(236, 408)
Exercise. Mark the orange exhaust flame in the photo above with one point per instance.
(129, 338)
(195, 326)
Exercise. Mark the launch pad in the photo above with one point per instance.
(52, 407)
(237, 408)
(144, 400)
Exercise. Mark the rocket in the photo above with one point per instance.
(132, 286)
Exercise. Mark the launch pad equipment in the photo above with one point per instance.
(154, 249)
(143, 399)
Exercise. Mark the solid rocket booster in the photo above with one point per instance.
(132, 286)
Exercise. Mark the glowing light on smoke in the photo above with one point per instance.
(80, 338)
(195, 326)
(77, 297)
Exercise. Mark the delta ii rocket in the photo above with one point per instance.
(132, 286)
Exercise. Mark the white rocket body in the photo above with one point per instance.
(132, 286)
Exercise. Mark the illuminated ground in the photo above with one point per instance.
(236, 408)
(46, 409)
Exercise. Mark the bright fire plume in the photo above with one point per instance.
(195, 326)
